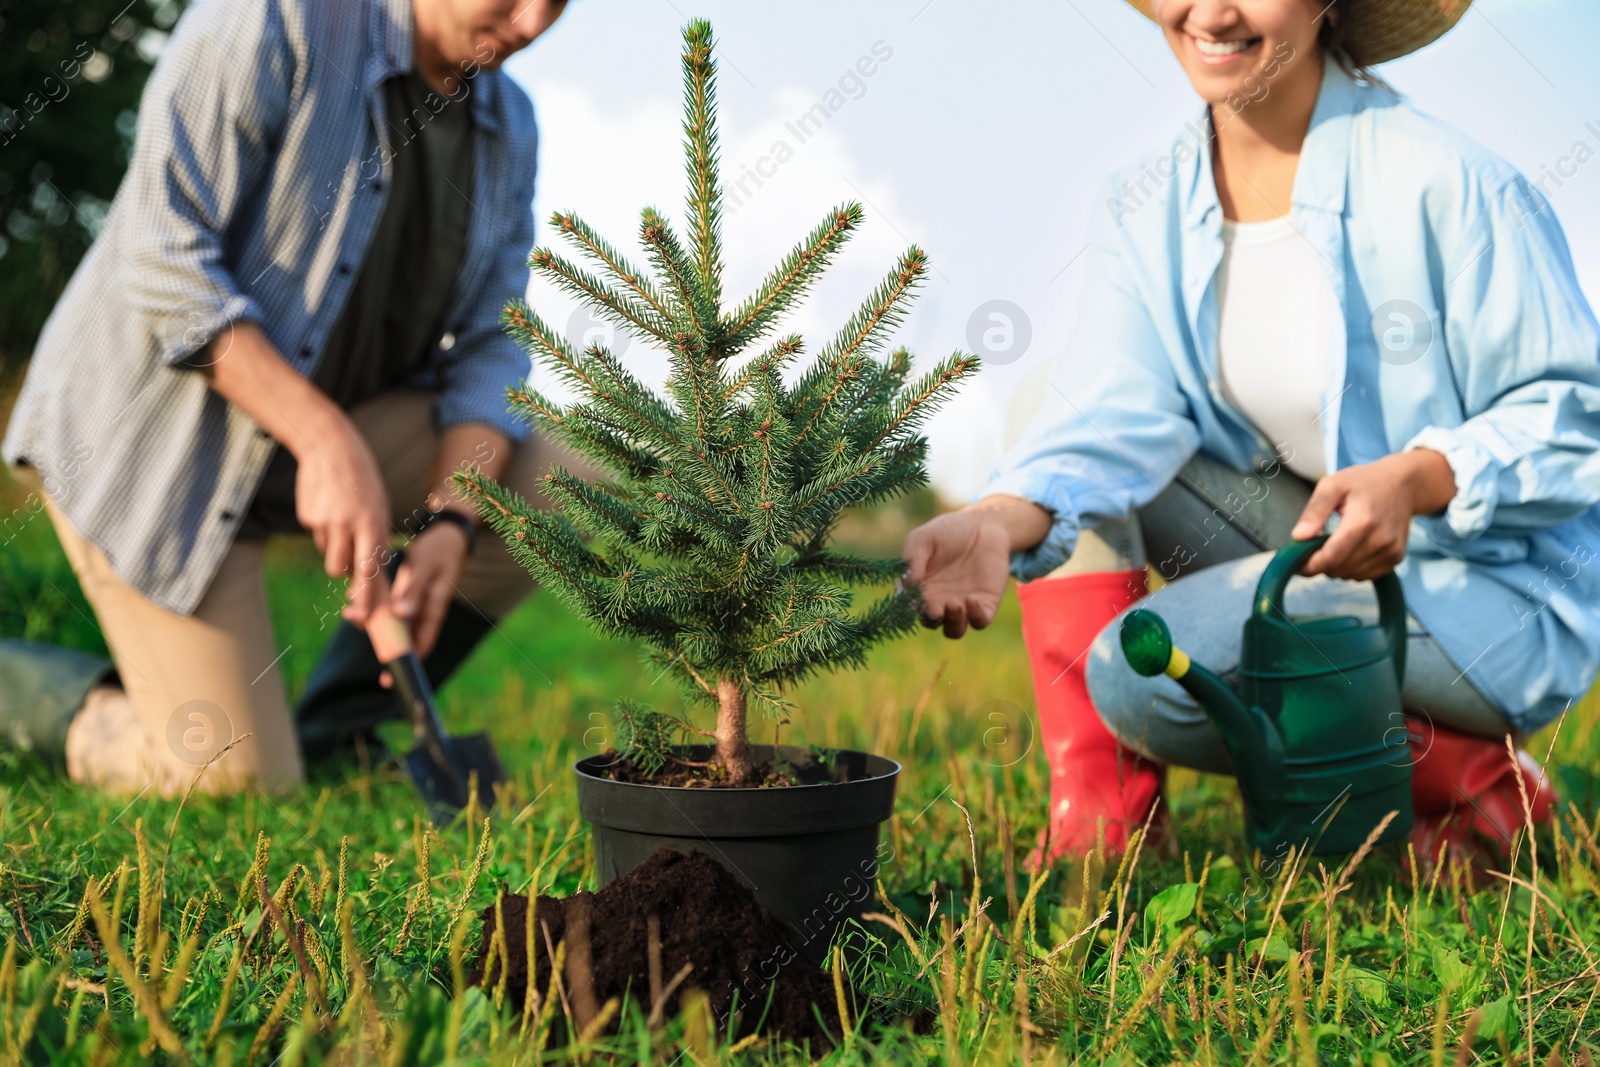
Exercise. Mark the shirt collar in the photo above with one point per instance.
(391, 50)
(1319, 181)
(389, 38)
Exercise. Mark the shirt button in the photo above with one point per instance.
(305, 352)
(228, 516)
(377, 186)
(344, 268)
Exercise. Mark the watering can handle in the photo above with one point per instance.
(1287, 563)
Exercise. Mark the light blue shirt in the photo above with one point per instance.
(1466, 332)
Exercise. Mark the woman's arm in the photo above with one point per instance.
(1376, 503)
(961, 560)
(1524, 352)
(1113, 430)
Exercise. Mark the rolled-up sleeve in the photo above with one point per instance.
(1114, 427)
(1525, 351)
(484, 361)
(209, 119)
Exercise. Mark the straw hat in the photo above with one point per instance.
(1376, 31)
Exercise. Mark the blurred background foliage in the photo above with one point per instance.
(71, 74)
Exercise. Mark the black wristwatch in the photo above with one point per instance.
(454, 518)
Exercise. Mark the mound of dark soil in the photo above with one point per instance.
(707, 920)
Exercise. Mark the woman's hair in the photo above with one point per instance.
(1330, 40)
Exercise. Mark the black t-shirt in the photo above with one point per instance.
(393, 318)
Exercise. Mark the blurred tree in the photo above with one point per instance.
(70, 79)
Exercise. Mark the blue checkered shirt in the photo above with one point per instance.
(259, 173)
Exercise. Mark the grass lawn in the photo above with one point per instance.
(134, 929)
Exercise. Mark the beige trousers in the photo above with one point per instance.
(201, 694)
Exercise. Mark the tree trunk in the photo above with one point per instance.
(732, 751)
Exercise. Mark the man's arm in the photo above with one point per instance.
(431, 574)
(461, 447)
(475, 373)
(484, 361)
(339, 492)
(211, 115)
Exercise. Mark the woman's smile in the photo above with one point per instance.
(1221, 53)
(1231, 49)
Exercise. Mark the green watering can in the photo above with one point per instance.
(1315, 733)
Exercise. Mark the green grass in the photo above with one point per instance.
(134, 929)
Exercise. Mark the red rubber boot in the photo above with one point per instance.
(1464, 789)
(1094, 780)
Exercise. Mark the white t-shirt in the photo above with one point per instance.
(1278, 323)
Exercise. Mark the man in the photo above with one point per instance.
(290, 321)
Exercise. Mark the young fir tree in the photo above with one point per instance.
(709, 541)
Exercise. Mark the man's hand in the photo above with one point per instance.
(961, 560)
(339, 497)
(1376, 503)
(427, 581)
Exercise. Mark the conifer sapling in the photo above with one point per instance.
(709, 538)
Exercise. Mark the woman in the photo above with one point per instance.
(1317, 307)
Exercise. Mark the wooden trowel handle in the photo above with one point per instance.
(389, 634)
(391, 643)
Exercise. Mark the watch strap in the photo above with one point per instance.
(456, 519)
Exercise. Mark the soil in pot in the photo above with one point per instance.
(706, 920)
(690, 773)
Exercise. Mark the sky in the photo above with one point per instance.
(979, 133)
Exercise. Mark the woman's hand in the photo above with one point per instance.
(339, 496)
(1376, 503)
(961, 560)
(427, 581)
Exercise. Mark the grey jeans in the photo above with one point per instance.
(1209, 535)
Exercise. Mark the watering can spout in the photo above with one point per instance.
(1253, 741)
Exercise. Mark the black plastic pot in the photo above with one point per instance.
(810, 853)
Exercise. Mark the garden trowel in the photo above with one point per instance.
(441, 766)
